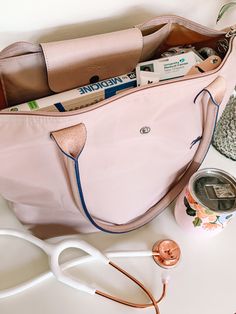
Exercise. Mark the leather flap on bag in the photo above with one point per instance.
(81, 61)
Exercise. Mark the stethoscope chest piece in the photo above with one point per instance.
(166, 253)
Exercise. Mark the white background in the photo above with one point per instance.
(46, 20)
(204, 282)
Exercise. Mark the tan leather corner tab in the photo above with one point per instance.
(71, 140)
(79, 61)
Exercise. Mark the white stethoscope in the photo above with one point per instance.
(166, 253)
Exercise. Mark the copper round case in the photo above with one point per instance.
(166, 253)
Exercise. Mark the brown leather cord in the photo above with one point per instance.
(131, 304)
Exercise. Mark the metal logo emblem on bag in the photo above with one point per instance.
(145, 130)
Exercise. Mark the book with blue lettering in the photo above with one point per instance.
(80, 97)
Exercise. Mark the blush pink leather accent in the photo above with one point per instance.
(71, 140)
(78, 60)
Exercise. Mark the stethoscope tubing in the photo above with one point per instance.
(47, 247)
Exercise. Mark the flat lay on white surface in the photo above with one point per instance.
(203, 282)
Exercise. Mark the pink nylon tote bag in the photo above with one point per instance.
(115, 165)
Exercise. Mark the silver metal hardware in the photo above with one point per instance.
(231, 32)
(214, 189)
(145, 130)
(223, 45)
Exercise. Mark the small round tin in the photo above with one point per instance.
(208, 203)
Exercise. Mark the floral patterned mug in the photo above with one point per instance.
(207, 203)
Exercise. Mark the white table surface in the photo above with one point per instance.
(204, 281)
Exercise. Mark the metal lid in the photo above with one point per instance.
(214, 189)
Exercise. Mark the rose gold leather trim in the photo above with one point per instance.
(71, 140)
